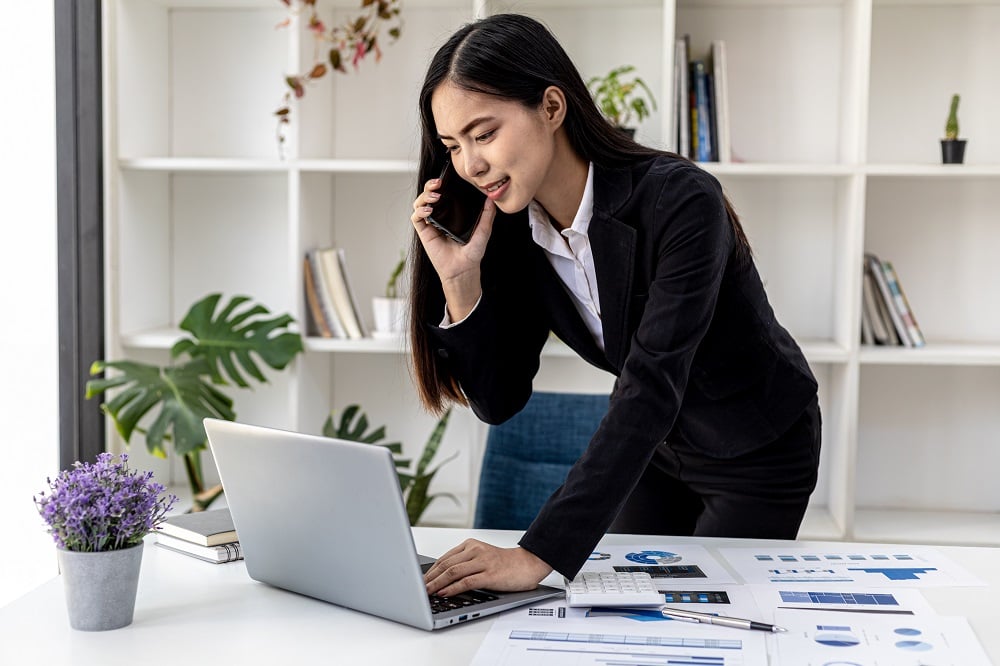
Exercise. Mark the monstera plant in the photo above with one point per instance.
(221, 343)
(415, 484)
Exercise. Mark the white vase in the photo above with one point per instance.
(100, 587)
(390, 317)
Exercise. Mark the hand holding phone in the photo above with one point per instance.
(456, 214)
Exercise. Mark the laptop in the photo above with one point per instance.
(325, 518)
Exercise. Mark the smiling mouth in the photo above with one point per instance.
(497, 185)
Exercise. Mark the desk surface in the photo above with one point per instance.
(188, 611)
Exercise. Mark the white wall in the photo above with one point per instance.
(29, 344)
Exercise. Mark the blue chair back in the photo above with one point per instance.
(527, 457)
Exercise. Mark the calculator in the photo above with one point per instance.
(612, 588)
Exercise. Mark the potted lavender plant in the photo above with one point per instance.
(98, 515)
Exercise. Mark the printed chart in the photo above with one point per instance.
(575, 637)
(849, 600)
(830, 639)
(866, 565)
(669, 566)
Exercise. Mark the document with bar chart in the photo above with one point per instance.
(555, 635)
(851, 601)
(870, 565)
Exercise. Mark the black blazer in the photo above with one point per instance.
(688, 331)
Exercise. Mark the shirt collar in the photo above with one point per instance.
(546, 236)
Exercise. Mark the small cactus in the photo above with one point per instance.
(951, 126)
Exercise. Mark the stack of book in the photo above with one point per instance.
(701, 103)
(333, 308)
(886, 315)
(208, 535)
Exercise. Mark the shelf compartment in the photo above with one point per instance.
(941, 236)
(185, 83)
(795, 243)
(802, 89)
(927, 438)
(921, 54)
(183, 236)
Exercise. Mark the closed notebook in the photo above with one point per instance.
(206, 528)
(225, 552)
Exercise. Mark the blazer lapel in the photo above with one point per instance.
(612, 244)
(566, 321)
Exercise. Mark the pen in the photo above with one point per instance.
(708, 618)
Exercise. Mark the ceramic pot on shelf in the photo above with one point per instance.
(952, 151)
(390, 317)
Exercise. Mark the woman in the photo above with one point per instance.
(636, 260)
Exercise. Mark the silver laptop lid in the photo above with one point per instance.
(321, 517)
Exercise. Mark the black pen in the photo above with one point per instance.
(708, 618)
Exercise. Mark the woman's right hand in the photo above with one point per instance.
(457, 265)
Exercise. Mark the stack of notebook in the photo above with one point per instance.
(208, 535)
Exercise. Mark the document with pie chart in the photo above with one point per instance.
(836, 639)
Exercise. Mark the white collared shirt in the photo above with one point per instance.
(570, 255)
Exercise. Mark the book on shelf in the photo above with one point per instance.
(700, 129)
(902, 304)
(351, 296)
(883, 298)
(871, 311)
(324, 296)
(331, 262)
(878, 273)
(681, 103)
(720, 83)
(205, 528)
(713, 128)
(219, 554)
(867, 334)
(317, 323)
(701, 136)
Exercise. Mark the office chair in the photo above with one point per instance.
(527, 457)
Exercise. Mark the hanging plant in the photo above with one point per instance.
(348, 42)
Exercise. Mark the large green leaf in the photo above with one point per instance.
(183, 396)
(419, 498)
(234, 336)
(354, 431)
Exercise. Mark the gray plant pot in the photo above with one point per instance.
(100, 587)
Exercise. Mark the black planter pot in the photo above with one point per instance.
(952, 151)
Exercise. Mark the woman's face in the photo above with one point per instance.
(500, 146)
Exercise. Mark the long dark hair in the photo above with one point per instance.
(516, 58)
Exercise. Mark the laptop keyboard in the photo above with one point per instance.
(464, 600)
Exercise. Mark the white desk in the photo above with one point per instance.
(189, 611)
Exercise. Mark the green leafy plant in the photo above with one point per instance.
(221, 344)
(351, 41)
(619, 98)
(392, 286)
(415, 485)
(951, 125)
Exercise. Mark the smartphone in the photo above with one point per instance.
(456, 214)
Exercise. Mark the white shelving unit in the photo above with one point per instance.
(836, 106)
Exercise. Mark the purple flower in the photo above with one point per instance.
(102, 506)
